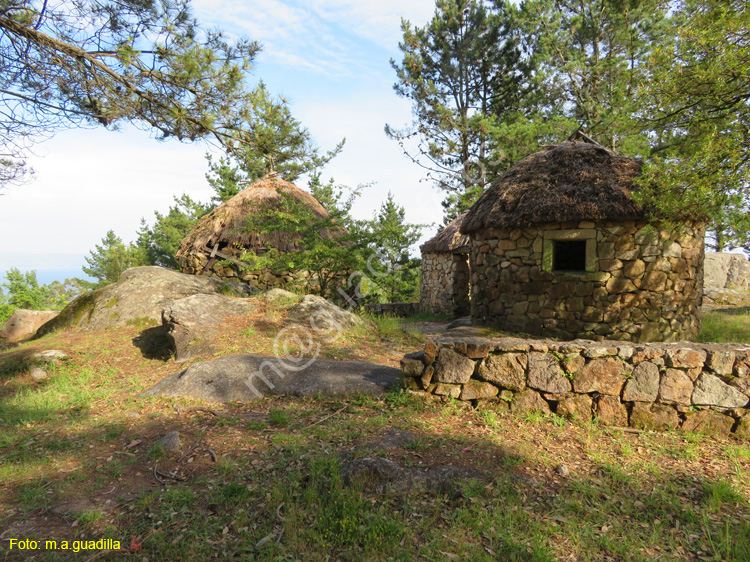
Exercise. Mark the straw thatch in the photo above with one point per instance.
(573, 181)
(225, 224)
(449, 240)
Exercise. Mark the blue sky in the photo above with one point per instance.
(329, 59)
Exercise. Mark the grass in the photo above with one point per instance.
(264, 480)
(278, 417)
(429, 317)
(726, 326)
(392, 328)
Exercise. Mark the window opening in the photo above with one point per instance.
(569, 255)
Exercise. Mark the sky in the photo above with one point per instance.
(330, 59)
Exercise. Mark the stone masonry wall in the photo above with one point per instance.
(640, 284)
(695, 387)
(263, 279)
(444, 285)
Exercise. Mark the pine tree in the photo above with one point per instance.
(461, 72)
(109, 259)
(25, 292)
(337, 200)
(158, 244)
(325, 250)
(698, 105)
(391, 238)
(104, 62)
(271, 140)
(592, 56)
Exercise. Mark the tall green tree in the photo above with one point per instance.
(157, 244)
(698, 105)
(591, 57)
(109, 259)
(104, 62)
(24, 291)
(396, 275)
(270, 140)
(462, 72)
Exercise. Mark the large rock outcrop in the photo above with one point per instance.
(191, 322)
(138, 298)
(324, 317)
(251, 377)
(725, 298)
(23, 324)
(726, 271)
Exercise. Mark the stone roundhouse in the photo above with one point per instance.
(559, 248)
(444, 285)
(215, 246)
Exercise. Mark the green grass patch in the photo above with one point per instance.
(738, 452)
(88, 518)
(726, 326)
(232, 493)
(279, 417)
(392, 328)
(157, 453)
(429, 317)
(67, 395)
(35, 496)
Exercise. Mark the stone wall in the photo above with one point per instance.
(444, 286)
(640, 284)
(702, 387)
(263, 279)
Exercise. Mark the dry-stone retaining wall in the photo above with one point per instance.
(640, 284)
(444, 286)
(696, 387)
(263, 279)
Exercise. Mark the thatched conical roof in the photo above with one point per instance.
(448, 240)
(225, 224)
(572, 181)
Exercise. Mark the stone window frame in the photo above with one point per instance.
(548, 248)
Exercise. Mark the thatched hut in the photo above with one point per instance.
(558, 247)
(214, 246)
(444, 286)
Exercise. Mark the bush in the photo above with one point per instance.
(5, 311)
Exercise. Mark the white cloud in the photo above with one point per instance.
(379, 21)
(331, 37)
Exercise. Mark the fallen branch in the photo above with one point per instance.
(180, 410)
(156, 477)
(170, 476)
(630, 429)
(189, 449)
(326, 418)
